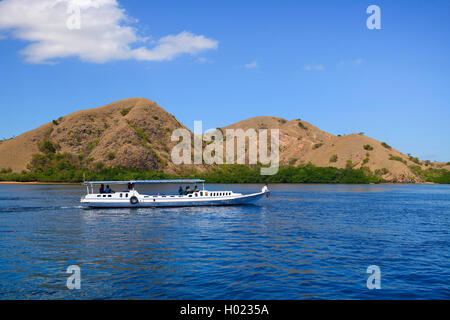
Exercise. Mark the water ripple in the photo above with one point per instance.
(305, 242)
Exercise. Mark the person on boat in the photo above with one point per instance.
(108, 189)
(180, 191)
(102, 189)
(130, 186)
(196, 189)
(188, 190)
(266, 189)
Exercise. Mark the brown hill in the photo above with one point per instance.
(136, 133)
(133, 133)
(301, 142)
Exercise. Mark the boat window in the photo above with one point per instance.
(126, 195)
(196, 194)
(190, 196)
(201, 194)
(104, 196)
(121, 195)
(206, 193)
(109, 196)
(99, 196)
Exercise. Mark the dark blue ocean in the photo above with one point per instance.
(305, 242)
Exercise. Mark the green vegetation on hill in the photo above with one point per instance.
(47, 146)
(68, 168)
(125, 111)
(414, 159)
(317, 146)
(301, 125)
(397, 158)
(301, 174)
(432, 174)
(57, 167)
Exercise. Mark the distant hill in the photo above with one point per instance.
(136, 133)
(301, 143)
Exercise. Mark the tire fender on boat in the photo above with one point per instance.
(134, 200)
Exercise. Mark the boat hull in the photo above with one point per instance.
(168, 202)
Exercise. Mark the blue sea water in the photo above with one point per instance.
(305, 242)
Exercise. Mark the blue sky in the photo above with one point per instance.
(314, 60)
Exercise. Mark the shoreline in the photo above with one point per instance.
(37, 183)
(81, 183)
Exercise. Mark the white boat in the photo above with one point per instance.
(131, 198)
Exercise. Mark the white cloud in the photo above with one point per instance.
(104, 33)
(314, 67)
(252, 65)
(355, 62)
(203, 60)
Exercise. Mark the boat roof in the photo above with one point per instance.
(182, 181)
